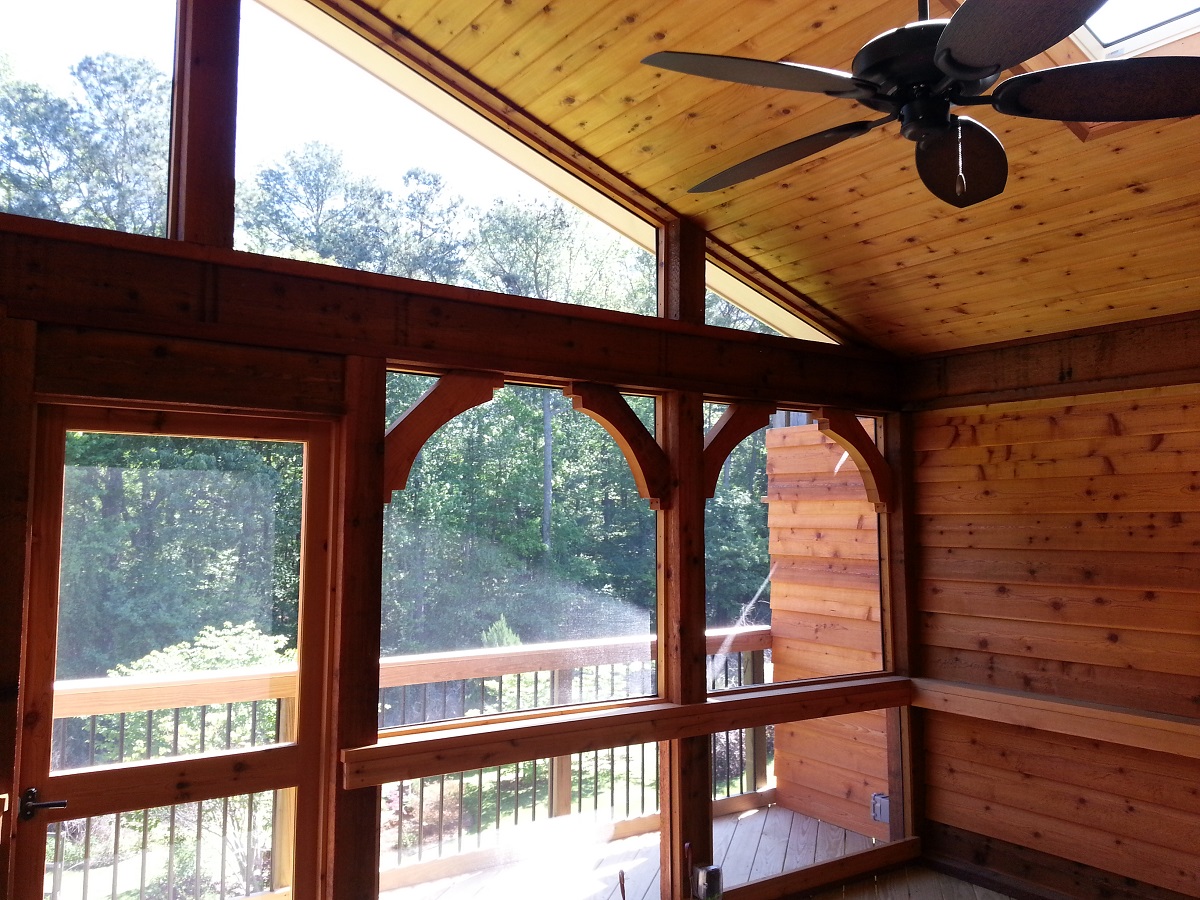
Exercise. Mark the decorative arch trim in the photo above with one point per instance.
(646, 458)
(843, 427)
(738, 422)
(454, 393)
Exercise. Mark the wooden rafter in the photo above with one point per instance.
(738, 422)
(454, 393)
(646, 459)
(843, 426)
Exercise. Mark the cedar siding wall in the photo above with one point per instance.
(1060, 559)
(825, 620)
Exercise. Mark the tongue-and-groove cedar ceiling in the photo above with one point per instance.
(1088, 233)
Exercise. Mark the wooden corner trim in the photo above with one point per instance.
(454, 393)
(647, 460)
(844, 428)
(738, 422)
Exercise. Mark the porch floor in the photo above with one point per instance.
(748, 846)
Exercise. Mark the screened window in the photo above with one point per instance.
(519, 565)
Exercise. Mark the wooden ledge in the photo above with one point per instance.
(1115, 725)
(476, 745)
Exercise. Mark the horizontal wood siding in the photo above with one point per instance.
(1059, 558)
(825, 620)
(1119, 809)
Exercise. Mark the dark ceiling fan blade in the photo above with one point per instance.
(987, 36)
(782, 156)
(762, 73)
(1119, 90)
(964, 164)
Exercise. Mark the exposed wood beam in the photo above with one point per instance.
(843, 427)
(738, 422)
(129, 369)
(453, 394)
(75, 276)
(646, 459)
(1150, 353)
(204, 122)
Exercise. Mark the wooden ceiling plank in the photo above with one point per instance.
(599, 45)
(500, 49)
(926, 333)
(1096, 261)
(674, 97)
(1098, 182)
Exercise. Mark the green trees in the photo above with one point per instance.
(522, 511)
(99, 158)
(163, 536)
(309, 206)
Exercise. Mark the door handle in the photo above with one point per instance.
(30, 804)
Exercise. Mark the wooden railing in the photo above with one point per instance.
(119, 719)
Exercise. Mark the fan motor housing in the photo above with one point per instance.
(901, 62)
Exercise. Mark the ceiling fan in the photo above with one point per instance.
(917, 73)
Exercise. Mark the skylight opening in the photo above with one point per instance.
(1128, 27)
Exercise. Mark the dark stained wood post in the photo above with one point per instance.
(17, 343)
(204, 122)
(685, 766)
(354, 851)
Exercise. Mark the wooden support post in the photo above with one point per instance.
(754, 672)
(560, 766)
(899, 615)
(204, 122)
(355, 622)
(17, 342)
(685, 765)
(681, 271)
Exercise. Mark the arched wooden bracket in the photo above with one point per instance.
(844, 427)
(454, 393)
(646, 458)
(738, 422)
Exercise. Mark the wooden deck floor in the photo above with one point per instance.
(748, 846)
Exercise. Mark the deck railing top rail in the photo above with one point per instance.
(175, 690)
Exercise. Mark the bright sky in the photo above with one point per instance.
(292, 90)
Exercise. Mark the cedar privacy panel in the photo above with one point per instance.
(825, 620)
(1059, 557)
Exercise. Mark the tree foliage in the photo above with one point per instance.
(522, 512)
(96, 158)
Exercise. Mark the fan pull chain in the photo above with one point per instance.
(960, 183)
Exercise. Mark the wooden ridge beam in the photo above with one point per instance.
(82, 277)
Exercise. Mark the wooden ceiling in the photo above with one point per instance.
(1088, 233)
